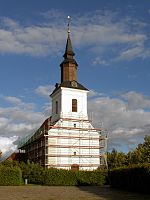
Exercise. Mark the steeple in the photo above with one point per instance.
(68, 52)
(69, 64)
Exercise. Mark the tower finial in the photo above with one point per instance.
(69, 20)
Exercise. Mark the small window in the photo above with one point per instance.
(74, 105)
(56, 107)
(74, 125)
(74, 153)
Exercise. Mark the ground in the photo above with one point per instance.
(66, 193)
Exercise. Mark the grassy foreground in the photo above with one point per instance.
(66, 193)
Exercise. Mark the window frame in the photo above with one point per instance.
(74, 105)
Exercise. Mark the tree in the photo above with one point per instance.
(141, 154)
(116, 159)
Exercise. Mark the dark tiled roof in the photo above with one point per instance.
(69, 84)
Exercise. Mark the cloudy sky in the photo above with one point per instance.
(111, 40)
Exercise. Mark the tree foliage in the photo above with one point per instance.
(140, 155)
(116, 159)
(10, 175)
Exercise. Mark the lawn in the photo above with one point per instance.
(66, 193)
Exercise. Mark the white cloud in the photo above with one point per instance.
(133, 53)
(93, 93)
(3, 122)
(18, 121)
(37, 41)
(136, 100)
(123, 123)
(100, 61)
(20, 118)
(44, 90)
(18, 102)
(95, 30)
(13, 100)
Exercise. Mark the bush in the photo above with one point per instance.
(10, 176)
(96, 177)
(70, 178)
(33, 172)
(59, 177)
(133, 178)
(39, 175)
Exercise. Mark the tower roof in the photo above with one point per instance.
(68, 51)
(69, 54)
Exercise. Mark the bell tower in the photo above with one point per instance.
(69, 65)
(69, 97)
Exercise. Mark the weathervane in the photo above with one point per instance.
(69, 20)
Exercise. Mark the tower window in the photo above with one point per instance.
(56, 107)
(74, 105)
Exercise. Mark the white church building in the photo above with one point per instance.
(67, 139)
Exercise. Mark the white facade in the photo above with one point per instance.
(64, 98)
(72, 140)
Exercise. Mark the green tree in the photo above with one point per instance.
(141, 154)
(116, 159)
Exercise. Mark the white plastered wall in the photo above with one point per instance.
(64, 98)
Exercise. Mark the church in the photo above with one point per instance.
(67, 139)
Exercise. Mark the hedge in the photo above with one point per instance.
(10, 176)
(133, 178)
(96, 177)
(38, 175)
(52, 177)
(59, 177)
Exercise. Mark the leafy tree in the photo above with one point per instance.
(141, 154)
(116, 159)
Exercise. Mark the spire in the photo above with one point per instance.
(69, 52)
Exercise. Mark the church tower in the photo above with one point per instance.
(69, 98)
(73, 141)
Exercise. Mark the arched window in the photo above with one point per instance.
(74, 105)
(56, 107)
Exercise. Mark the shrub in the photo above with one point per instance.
(10, 176)
(59, 177)
(33, 172)
(134, 178)
(96, 177)
(39, 175)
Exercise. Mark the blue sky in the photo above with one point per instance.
(112, 46)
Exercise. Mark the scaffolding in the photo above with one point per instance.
(76, 134)
(66, 142)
